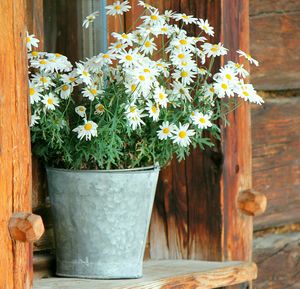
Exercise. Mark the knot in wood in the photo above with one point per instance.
(252, 203)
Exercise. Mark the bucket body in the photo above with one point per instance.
(101, 220)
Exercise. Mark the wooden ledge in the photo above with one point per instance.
(167, 274)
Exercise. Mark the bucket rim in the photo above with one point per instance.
(155, 167)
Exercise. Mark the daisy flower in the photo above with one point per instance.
(99, 109)
(226, 74)
(69, 78)
(186, 19)
(239, 68)
(223, 88)
(42, 64)
(90, 19)
(117, 47)
(91, 92)
(182, 42)
(117, 8)
(165, 130)
(148, 47)
(34, 119)
(65, 90)
(154, 19)
(83, 74)
(185, 75)
(248, 57)
(214, 49)
(105, 58)
(87, 130)
(180, 90)
(201, 120)
(146, 6)
(132, 89)
(50, 101)
(247, 92)
(80, 110)
(181, 135)
(160, 96)
(124, 37)
(204, 25)
(42, 80)
(153, 110)
(179, 56)
(31, 41)
(128, 58)
(34, 93)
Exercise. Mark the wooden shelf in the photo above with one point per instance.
(166, 274)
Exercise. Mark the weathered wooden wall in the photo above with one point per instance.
(15, 157)
(275, 41)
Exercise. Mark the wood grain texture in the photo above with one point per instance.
(276, 160)
(15, 157)
(278, 259)
(166, 275)
(275, 34)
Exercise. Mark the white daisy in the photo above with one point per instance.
(99, 109)
(186, 19)
(117, 47)
(34, 93)
(204, 25)
(148, 46)
(128, 58)
(132, 89)
(50, 101)
(31, 41)
(34, 119)
(42, 80)
(146, 5)
(180, 90)
(80, 110)
(117, 8)
(161, 96)
(248, 93)
(90, 19)
(214, 49)
(248, 57)
(154, 19)
(87, 130)
(166, 130)
(65, 90)
(201, 120)
(239, 68)
(227, 74)
(124, 37)
(104, 58)
(185, 75)
(91, 92)
(179, 56)
(83, 74)
(69, 78)
(153, 110)
(223, 88)
(181, 135)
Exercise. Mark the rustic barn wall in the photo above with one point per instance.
(275, 41)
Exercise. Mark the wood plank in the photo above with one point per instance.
(277, 256)
(276, 160)
(275, 42)
(259, 7)
(15, 156)
(166, 275)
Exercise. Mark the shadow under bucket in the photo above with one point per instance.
(101, 220)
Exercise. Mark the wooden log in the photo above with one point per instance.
(166, 275)
(15, 156)
(277, 256)
(275, 43)
(252, 203)
(26, 227)
(276, 158)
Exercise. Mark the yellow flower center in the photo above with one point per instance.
(164, 29)
(148, 44)
(249, 55)
(154, 17)
(31, 91)
(72, 79)
(228, 76)
(181, 90)
(88, 126)
(246, 93)
(118, 7)
(65, 87)
(142, 77)
(34, 53)
(85, 73)
(182, 41)
(43, 61)
(147, 70)
(154, 109)
(202, 120)
(100, 107)
(44, 79)
(182, 134)
(93, 91)
(106, 55)
(184, 63)
(161, 96)
(128, 57)
(184, 73)
(132, 109)
(28, 39)
(50, 101)
(212, 89)
(81, 108)
(124, 35)
(118, 46)
(180, 55)
(185, 17)
(224, 86)
(133, 87)
(166, 130)
(237, 65)
(214, 48)
(58, 55)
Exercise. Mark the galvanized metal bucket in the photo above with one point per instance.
(101, 220)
